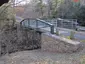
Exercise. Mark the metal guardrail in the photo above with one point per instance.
(37, 24)
(80, 28)
(63, 23)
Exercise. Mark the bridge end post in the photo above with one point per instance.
(52, 29)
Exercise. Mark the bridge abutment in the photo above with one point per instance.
(54, 43)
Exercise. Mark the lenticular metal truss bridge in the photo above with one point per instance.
(49, 25)
(37, 24)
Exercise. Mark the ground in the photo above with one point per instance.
(42, 57)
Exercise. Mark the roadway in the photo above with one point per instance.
(66, 32)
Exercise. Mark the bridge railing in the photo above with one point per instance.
(48, 24)
(63, 23)
(37, 24)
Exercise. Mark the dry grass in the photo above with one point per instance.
(55, 62)
(82, 59)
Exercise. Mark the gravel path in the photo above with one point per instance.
(31, 57)
(42, 57)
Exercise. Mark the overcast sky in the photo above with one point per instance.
(22, 1)
(25, 1)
